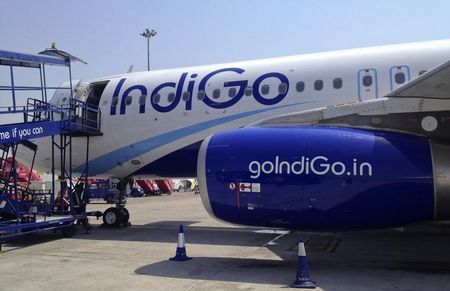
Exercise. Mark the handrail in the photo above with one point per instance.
(84, 116)
(39, 110)
(76, 116)
(31, 88)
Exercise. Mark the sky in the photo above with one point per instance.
(200, 32)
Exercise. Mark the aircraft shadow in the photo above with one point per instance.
(30, 240)
(158, 232)
(242, 270)
(418, 251)
(167, 232)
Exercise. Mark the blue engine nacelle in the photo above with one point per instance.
(323, 178)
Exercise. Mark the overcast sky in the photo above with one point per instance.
(106, 33)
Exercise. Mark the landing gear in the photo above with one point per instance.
(112, 217)
(115, 217)
(125, 216)
(119, 215)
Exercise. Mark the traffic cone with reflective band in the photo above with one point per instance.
(181, 249)
(302, 280)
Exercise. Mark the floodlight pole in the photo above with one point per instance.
(148, 53)
(148, 34)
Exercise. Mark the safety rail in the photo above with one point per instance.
(76, 118)
(23, 200)
(40, 90)
(82, 118)
(25, 114)
(38, 110)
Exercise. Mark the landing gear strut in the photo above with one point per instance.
(119, 215)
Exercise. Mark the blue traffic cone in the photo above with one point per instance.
(302, 280)
(181, 249)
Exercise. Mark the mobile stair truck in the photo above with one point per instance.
(25, 115)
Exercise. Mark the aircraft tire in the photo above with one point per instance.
(125, 216)
(112, 217)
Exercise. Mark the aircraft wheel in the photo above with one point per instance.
(125, 216)
(112, 217)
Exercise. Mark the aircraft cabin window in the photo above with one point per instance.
(300, 86)
(232, 92)
(282, 88)
(186, 95)
(156, 98)
(142, 99)
(128, 100)
(318, 85)
(248, 91)
(216, 93)
(265, 89)
(171, 97)
(337, 83)
(367, 81)
(115, 100)
(400, 78)
(201, 95)
(422, 72)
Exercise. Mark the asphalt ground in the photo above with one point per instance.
(225, 257)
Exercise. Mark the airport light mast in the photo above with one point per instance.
(148, 34)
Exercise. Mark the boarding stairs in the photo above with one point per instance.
(23, 210)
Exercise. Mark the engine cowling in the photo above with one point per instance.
(323, 178)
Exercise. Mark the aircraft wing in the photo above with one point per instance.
(433, 84)
(421, 106)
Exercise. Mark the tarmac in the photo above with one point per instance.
(225, 257)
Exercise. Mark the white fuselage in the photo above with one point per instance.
(160, 112)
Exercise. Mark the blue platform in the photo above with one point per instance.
(24, 131)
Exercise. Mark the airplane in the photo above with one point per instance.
(342, 140)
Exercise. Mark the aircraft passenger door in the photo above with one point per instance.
(398, 76)
(367, 84)
(95, 93)
(93, 98)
